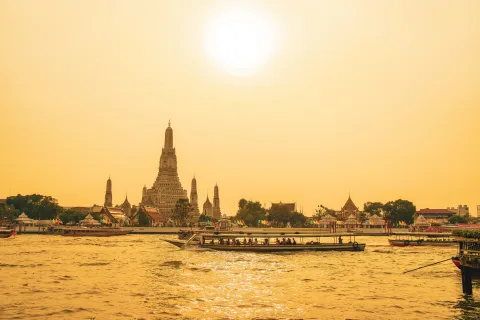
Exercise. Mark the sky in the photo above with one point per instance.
(379, 99)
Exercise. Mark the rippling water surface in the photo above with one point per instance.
(142, 277)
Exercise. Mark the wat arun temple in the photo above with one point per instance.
(167, 188)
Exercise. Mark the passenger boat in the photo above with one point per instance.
(238, 242)
(417, 240)
(468, 254)
(93, 232)
(5, 233)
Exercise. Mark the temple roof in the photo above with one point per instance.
(434, 211)
(349, 205)
(207, 202)
(290, 206)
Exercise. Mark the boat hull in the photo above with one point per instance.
(95, 233)
(456, 261)
(6, 234)
(285, 248)
(408, 243)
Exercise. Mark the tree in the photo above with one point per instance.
(72, 216)
(9, 213)
(279, 214)
(143, 220)
(373, 208)
(457, 219)
(321, 211)
(242, 203)
(181, 211)
(297, 219)
(36, 206)
(250, 212)
(399, 210)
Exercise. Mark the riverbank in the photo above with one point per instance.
(174, 230)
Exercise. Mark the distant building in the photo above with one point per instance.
(207, 208)
(348, 209)
(217, 214)
(108, 194)
(435, 215)
(291, 206)
(460, 210)
(155, 217)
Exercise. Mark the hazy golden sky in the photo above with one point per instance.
(379, 98)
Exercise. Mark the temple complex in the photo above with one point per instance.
(167, 188)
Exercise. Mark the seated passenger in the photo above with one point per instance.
(289, 241)
(228, 242)
(255, 242)
(249, 241)
(237, 242)
(244, 241)
(293, 241)
(277, 241)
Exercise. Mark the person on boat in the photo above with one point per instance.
(220, 241)
(249, 241)
(289, 241)
(244, 241)
(277, 241)
(255, 242)
(340, 240)
(265, 241)
(284, 241)
(237, 242)
(293, 241)
(228, 242)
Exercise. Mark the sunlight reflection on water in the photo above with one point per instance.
(140, 276)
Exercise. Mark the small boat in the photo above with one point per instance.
(93, 232)
(5, 233)
(440, 240)
(231, 242)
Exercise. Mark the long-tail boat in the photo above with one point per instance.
(5, 233)
(93, 232)
(283, 242)
(420, 240)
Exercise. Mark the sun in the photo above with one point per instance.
(240, 40)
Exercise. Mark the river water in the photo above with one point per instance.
(143, 277)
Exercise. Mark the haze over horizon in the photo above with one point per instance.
(377, 99)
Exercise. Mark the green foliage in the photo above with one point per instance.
(399, 210)
(373, 208)
(363, 216)
(321, 211)
(143, 220)
(279, 214)
(36, 206)
(181, 211)
(297, 219)
(9, 213)
(72, 216)
(473, 234)
(250, 212)
(457, 219)
(242, 203)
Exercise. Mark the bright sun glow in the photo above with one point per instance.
(240, 40)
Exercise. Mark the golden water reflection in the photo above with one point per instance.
(140, 276)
